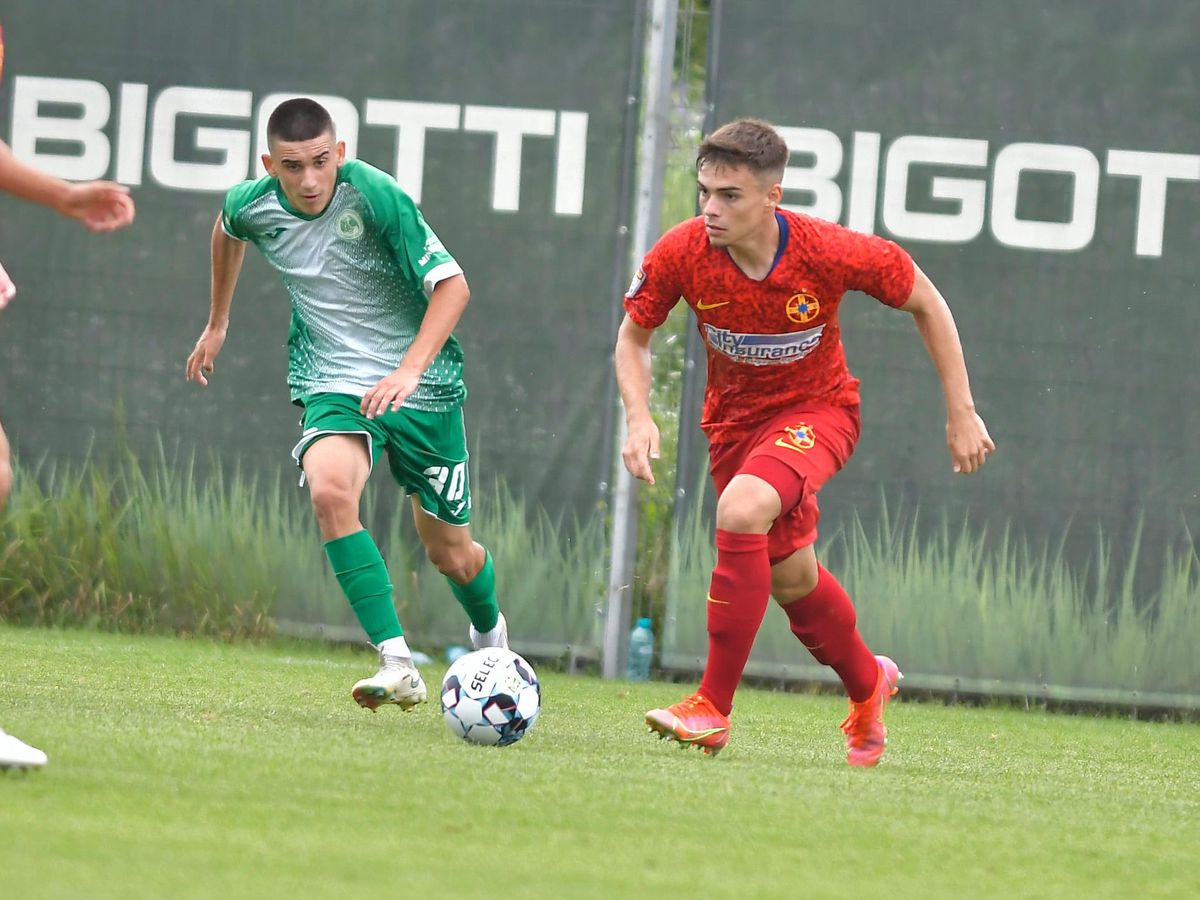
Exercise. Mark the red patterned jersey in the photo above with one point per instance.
(772, 343)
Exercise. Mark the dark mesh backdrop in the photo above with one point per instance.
(101, 321)
(1081, 362)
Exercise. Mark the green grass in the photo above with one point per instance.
(192, 768)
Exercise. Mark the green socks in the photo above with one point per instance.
(478, 596)
(361, 572)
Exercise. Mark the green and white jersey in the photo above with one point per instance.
(360, 275)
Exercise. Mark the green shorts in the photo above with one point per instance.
(427, 451)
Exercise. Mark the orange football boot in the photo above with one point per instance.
(692, 721)
(866, 734)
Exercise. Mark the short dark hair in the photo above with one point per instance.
(752, 143)
(298, 119)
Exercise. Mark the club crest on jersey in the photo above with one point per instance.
(799, 437)
(636, 285)
(349, 225)
(763, 349)
(802, 308)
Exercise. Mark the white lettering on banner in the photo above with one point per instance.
(825, 148)
(411, 121)
(969, 195)
(1153, 171)
(29, 127)
(510, 127)
(570, 163)
(50, 112)
(38, 118)
(864, 181)
(233, 145)
(1074, 234)
(131, 134)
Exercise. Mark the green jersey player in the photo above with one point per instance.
(374, 364)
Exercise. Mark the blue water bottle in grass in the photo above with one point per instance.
(641, 649)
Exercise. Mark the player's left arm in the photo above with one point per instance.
(966, 435)
(97, 205)
(446, 305)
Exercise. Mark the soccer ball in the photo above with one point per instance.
(491, 696)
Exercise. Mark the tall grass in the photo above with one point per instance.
(117, 545)
(550, 574)
(155, 547)
(960, 608)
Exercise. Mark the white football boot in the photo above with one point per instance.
(397, 681)
(497, 637)
(15, 754)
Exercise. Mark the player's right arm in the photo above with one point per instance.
(97, 205)
(655, 290)
(651, 296)
(227, 256)
(632, 360)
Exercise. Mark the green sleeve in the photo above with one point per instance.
(238, 198)
(416, 247)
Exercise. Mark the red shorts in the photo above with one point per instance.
(814, 441)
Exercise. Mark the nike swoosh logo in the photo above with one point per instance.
(693, 736)
(712, 599)
(274, 233)
(700, 304)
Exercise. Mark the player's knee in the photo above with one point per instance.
(452, 561)
(744, 516)
(5, 481)
(331, 498)
(796, 588)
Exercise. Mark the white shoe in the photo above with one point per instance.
(15, 754)
(497, 637)
(397, 681)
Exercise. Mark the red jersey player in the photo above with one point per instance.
(100, 206)
(780, 413)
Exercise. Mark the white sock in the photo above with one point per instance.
(396, 646)
(492, 638)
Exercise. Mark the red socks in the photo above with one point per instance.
(824, 622)
(737, 602)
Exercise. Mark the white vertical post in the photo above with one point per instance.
(660, 53)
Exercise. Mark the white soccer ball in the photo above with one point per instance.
(491, 696)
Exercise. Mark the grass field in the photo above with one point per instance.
(188, 768)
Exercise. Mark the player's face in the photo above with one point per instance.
(735, 203)
(307, 170)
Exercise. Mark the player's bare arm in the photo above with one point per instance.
(632, 360)
(227, 256)
(446, 305)
(8, 290)
(5, 468)
(97, 205)
(966, 435)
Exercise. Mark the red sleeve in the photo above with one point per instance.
(872, 264)
(656, 286)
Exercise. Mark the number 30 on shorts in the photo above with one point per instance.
(450, 484)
